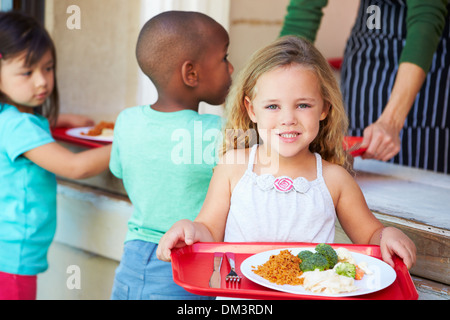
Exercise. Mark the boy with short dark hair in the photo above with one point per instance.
(163, 151)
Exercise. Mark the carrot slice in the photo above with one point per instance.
(359, 273)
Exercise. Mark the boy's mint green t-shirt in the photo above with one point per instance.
(166, 162)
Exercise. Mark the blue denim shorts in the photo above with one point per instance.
(141, 276)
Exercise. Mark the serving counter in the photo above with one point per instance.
(93, 215)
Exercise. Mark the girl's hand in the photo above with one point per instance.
(182, 233)
(393, 241)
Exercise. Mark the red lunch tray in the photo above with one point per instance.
(192, 267)
(60, 134)
(350, 142)
(336, 63)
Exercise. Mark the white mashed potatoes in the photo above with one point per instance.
(328, 282)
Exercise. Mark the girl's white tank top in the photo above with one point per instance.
(264, 208)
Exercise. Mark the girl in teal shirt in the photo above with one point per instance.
(29, 157)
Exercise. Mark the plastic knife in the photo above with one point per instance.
(214, 281)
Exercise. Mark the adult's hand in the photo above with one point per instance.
(382, 138)
(382, 141)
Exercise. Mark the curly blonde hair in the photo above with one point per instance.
(240, 132)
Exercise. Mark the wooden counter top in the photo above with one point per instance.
(417, 202)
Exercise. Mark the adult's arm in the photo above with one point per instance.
(303, 18)
(425, 22)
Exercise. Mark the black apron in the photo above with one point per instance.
(368, 74)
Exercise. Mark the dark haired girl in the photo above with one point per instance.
(29, 156)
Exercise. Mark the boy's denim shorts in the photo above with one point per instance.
(141, 276)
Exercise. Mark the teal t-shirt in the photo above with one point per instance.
(27, 194)
(166, 162)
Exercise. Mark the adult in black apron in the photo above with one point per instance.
(368, 73)
(369, 70)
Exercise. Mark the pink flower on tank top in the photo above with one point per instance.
(283, 184)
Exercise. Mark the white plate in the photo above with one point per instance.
(382, 277)
(77, 133)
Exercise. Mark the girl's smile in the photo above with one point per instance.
(289, 137)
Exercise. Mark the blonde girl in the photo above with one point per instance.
(29, 157)
(285, 52)
(283, 175)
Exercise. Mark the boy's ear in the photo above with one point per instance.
(189, 74)
(249, 106)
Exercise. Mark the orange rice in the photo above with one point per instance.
(282, 268)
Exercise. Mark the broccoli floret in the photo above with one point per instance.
(346, 269)
(328, 252)
(305, 254)
(313, 262)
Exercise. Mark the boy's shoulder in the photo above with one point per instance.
(128, 115)
(211, 122)
(146, 110)
(208, 117)
(131, 111)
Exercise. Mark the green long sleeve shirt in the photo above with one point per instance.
(425, 21)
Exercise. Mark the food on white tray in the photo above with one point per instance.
(281, 269)
(345, 269)
(327, 281)
(323, 270)
(103, 128)
(364, 267)
(344, 255)
(323, 258)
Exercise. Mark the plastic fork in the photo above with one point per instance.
(232, 276)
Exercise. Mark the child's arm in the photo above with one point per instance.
(67, 120)
(61, 161)
(360, 224)
(209, 226)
